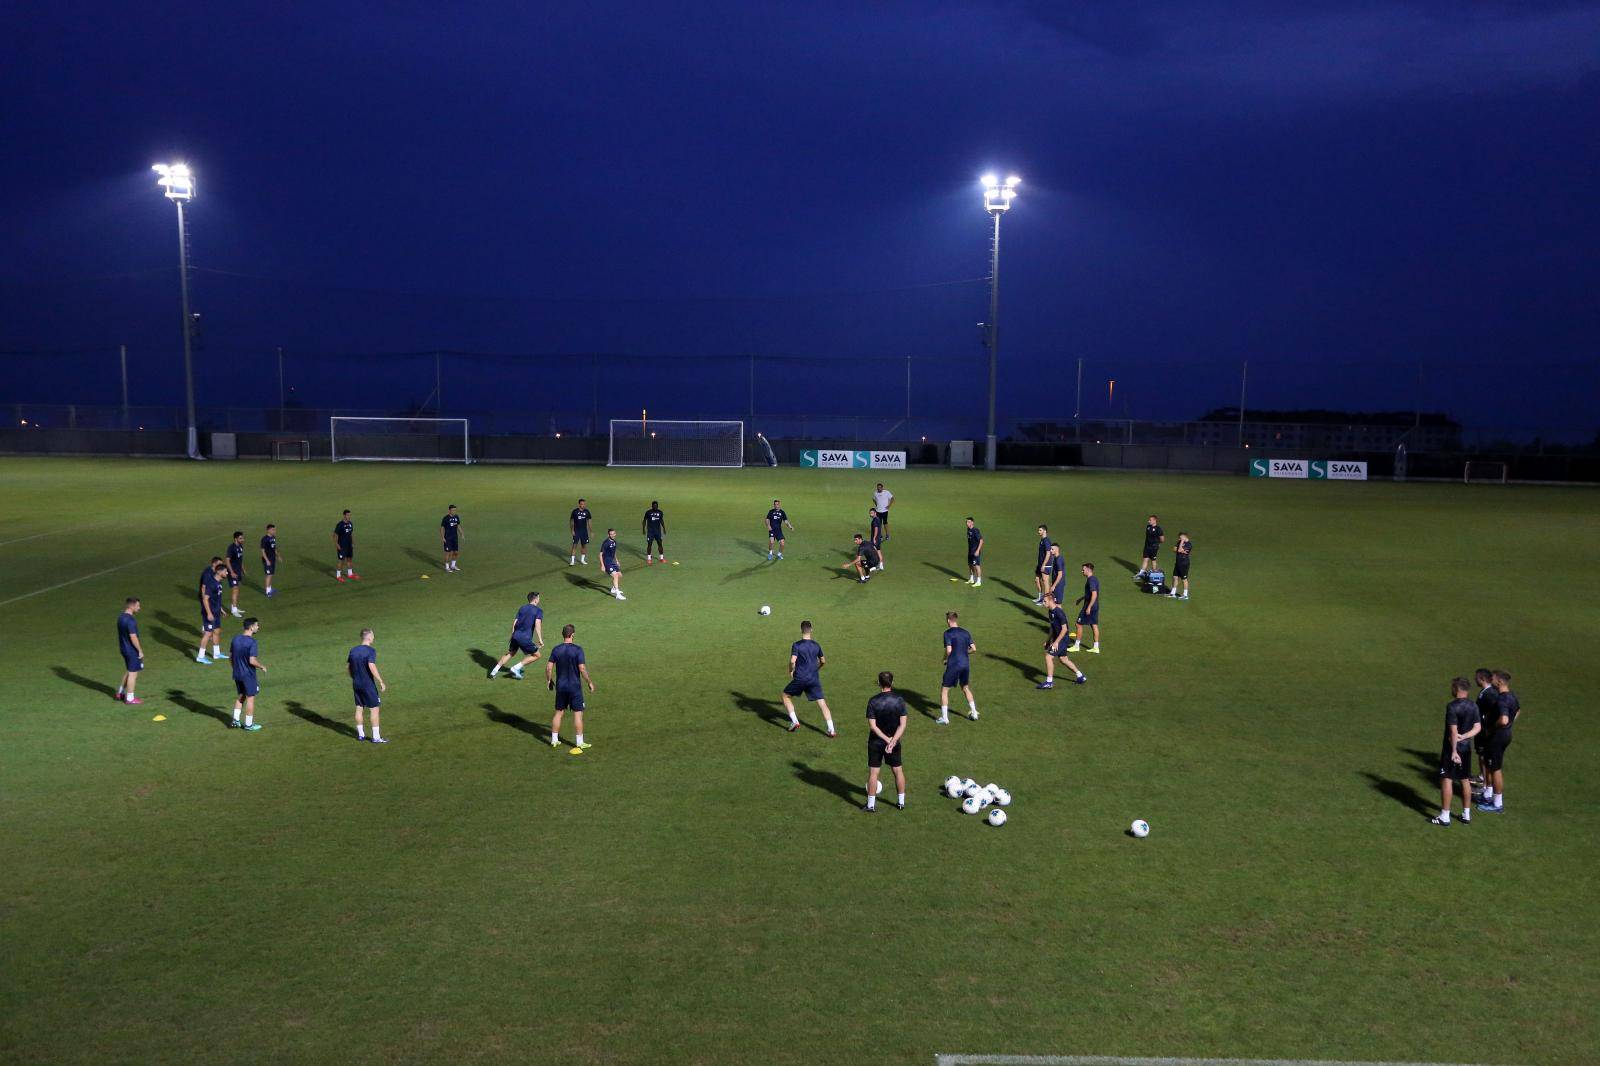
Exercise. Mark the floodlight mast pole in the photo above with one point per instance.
(177, 184)
(997, 199)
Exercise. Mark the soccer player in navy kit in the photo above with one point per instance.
(654, 527)
(367, 684)
(974, 554)
(450, 538)
(1055, 574)
(866, 561)
(608, 563)
(211, 609)
(875, 533)
(236, 570)
(527, 633)
(886, 724)
(777, 518)
(805, 678)
(1180, 565)
(1090, 615)
(344, 547)
(132, 651)
(243, 652)
(1055, 647)
(1153, 539)
(1488, 703)
(1507, 708)
(1038, 566)
(1461, 724)
(958, 647)
(269, 556)
(578, 522)
(566, 673)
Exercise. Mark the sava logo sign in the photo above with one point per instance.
(1279, 468)
(1338, 470)
(830, 459)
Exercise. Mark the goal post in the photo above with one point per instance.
(398, 440)
(663, 442)
(1478, 471)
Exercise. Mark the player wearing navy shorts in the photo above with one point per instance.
(344, 547)
(777, 518)
(527, 633)
(1180, 565)
(367, 684)
(1055, 647)
(1154, 536)
(608, 563)
(886, 724)
(236, 570)
(1090, 614)
(654, 527)
(866, 561)
(1461, 723)
(566, 672)
(805, 678)
(882, 500)
(269, 556)
(958, 648)
(211, 579)
(1055, 574)
(1488, 701)
(1507, 708)
(132, 651)
(450, 539)
(578, 522)
(1038, 566)
(243, 652)
(876, 533)
(974, 554)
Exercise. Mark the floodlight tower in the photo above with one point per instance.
(177, 182)
(997, 197)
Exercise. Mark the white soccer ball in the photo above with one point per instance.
(879, 790)
(997, 817)
(973, 789)
(764, 609)
(993, 788)
(985, 796)
(966, 783)
(953, 786)
(972, 805)
(1140, 828)
(1003, 798)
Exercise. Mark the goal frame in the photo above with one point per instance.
(302, 449)
(333, 441)
(1466, 472)
(611, 441)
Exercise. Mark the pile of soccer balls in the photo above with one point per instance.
(976, 798)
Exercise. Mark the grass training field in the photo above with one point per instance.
(701, 886)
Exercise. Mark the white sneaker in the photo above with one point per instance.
(201, 659)
(972, 715)
(977, 584)
(236, 612)
(515, 673)
(941, 721)
(621, 598)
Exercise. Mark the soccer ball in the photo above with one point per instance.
(972, 805)
(997, 817)
(953, 786)
(1003, 798)
(992, 787)
(879, 790)
(972, 789)
(764, 609)
(1140, 828)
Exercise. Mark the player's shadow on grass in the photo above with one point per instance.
(1127, 564)
(1032, 611)
(194, 706)
(769, 711)
(1426, 765)
(829, 781)
(1400, 792)
(187, 645)
(306, 714)
(1029, 673)
(555, 550)
(430, 561)
(516, 721)
(1014, 588)
(944, 570)
(918, 702)
(482, 658)
(87, 682)
(582, 581)
(168, 619)
(839, 571)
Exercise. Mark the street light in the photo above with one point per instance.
(177, 183)
(997, 197)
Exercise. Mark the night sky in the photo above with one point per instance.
(1377, 204)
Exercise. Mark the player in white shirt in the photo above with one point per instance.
(881, 500)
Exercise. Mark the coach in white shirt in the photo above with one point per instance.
(880, 503)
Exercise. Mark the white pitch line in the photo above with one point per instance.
(99, 573)
(56, 532)
(1126, 1060)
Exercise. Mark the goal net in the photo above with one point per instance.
(653, 442)
(1478, 471)
(399, 440)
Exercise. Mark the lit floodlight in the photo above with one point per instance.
(1013, 181)
(998, 197)
(176, 180)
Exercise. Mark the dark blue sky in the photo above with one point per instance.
(1337, 192)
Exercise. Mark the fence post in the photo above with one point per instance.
(72, 416)
(752, 387)
(1244, 376)
(280, 388)
(122, 355)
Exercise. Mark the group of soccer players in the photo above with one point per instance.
(1481, 725)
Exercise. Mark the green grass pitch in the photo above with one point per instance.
(700, 887)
